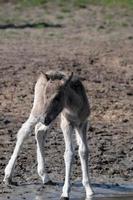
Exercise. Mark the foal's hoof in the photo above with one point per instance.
(64, 198)
(50, 183)
(8, 182)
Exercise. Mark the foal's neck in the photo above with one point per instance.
(72, 100)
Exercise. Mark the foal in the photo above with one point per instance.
(56, 93)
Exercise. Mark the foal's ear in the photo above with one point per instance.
(68, 80)
(47, 77)
(44, 75)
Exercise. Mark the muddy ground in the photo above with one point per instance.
(95, 43)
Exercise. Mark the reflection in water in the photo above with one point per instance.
(102, 192)
(35, 191)
(54, 193)
(90, 198)
(55, 198)
(44, 197)
(97, 197)
(38, 198)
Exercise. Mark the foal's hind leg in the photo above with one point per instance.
(40, 135)
(68, 155)
(83, 153)
(21, 135)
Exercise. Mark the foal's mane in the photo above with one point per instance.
(56, 75)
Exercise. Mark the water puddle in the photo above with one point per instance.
(38, 192)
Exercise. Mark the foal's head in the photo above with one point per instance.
(54, 97)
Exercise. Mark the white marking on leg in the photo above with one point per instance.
(83, 153)
(40, 135)
(68, 155)
(21, 135)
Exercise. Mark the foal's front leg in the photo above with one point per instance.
(68, 155)
(83, 153)
(21, 135)
(40, 135)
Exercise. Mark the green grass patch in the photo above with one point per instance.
(123, 3)
(60, 16)
(39, 26)
(68, 4)
(32, 2)
(82, 3)
(79, 3)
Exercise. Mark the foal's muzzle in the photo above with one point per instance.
(47, 121)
